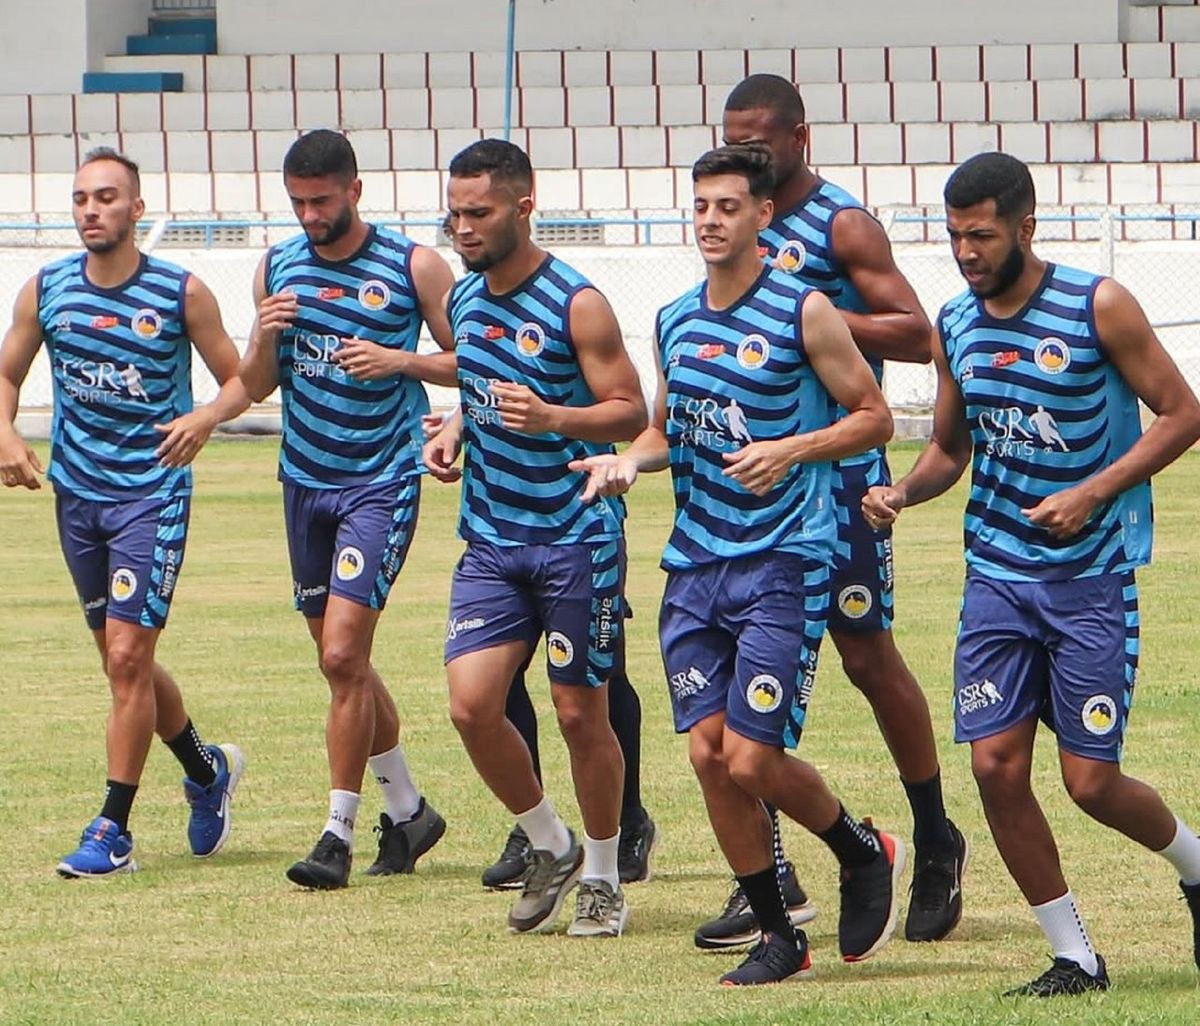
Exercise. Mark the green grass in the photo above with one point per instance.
(231, 941)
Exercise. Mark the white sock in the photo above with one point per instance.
(546, 831)
(1184, 853)
(600, 859)
(401, 798)
(343, 808)
(1064, 929)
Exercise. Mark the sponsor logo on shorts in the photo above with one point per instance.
(791, 256)
(764, 693)
(753, 351)
(531, 339)
(1052, 356)
(98, 603)
(559, 649)
(855, 601)
(170, 574)
(1099, 715)
(978, 695)
(374, 294)
(690, 682)
(302, 592)
(456, 627)
(604, 614)
(350, 563)
(124, 584)
(146, 323)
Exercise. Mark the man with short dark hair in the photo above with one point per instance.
(1040, 369)
(749, 364)
(340, 308)
(119, 327)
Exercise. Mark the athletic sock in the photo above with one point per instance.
(766, 899)
(1184, 853)
(118, 800)
(545, 829)
(852, 843)
(1061, 923)
(600, 859)
(193, 756)
(401, 798)
(931, 829)
(343, 810)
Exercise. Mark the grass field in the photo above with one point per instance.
(231, 941)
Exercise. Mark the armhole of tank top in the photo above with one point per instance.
(834, 259)
(268, 268)
(183, 322)
(39, 291)
(568, 333)
(1093, 330)
(800, 324)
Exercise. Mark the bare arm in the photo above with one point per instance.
(369, 360)
(19, 464)
(259, 368)
(619, 412)
(1130, 343)
(896, 328)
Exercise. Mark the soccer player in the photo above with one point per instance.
(822, 236)
(1040, 369)
(340, 308)
(119, 327)
(545, 380)
(749, 558)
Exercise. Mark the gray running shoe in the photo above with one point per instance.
(546, 887)
(401, 844)
(599, 910)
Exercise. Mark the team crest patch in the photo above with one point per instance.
(764, 693)
(753, 351)
(350, 563)
(559, 649)
(1099, 715)
(146, 323)
(791, 256)
(1052, 356)
(124, 584)
(855, 601)
(374, 294)
(531, 339)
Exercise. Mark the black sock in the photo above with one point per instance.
(519, 709)
(930, 827)
(776, 840)
(193, 756)
(625, 716)
(766, 899)
(118, 800)
(852, 843)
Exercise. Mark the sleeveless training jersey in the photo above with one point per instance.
(1046, 409)
(736, 376)
(121, 362)
(339, 432)
(516, 488)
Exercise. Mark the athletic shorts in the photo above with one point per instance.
(349, 542)
(732, 643)
(1066, 651)
(570, 593)
(124, 557)
(861, 596)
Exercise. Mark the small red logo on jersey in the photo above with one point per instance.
(331, 292)
(711, 351)
(105, 321)
(493, 332)
(1006, 358)
(763, 252)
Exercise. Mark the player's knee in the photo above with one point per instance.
(997, 775)
(579, 725)
(128, 669)
(1090, 787)
(747, 767)
(344, 667)
(707, 757)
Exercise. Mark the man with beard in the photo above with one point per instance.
(340, 307)
(824, 238)
(119, 327)
(1040, 369)
(544, 380)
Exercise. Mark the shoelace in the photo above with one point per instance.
(327, 846)
(514, 848)
(595, 903)
(931, 883)
(737, 902)
(1062, 975)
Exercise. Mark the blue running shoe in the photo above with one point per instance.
(210, 821)
(103, 851)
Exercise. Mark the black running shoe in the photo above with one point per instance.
(1191, 894)
(1063, 977)
(637, 844)
(509, 870)
(327, 867)
(935, 894)
(401, 844)
(869, 900)
(772, 960)
(737, 924)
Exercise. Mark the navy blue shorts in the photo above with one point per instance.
(732, 643)
(861, 596)
(124, 557)
(571, 593)
(1066, 651)
(349, 542)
